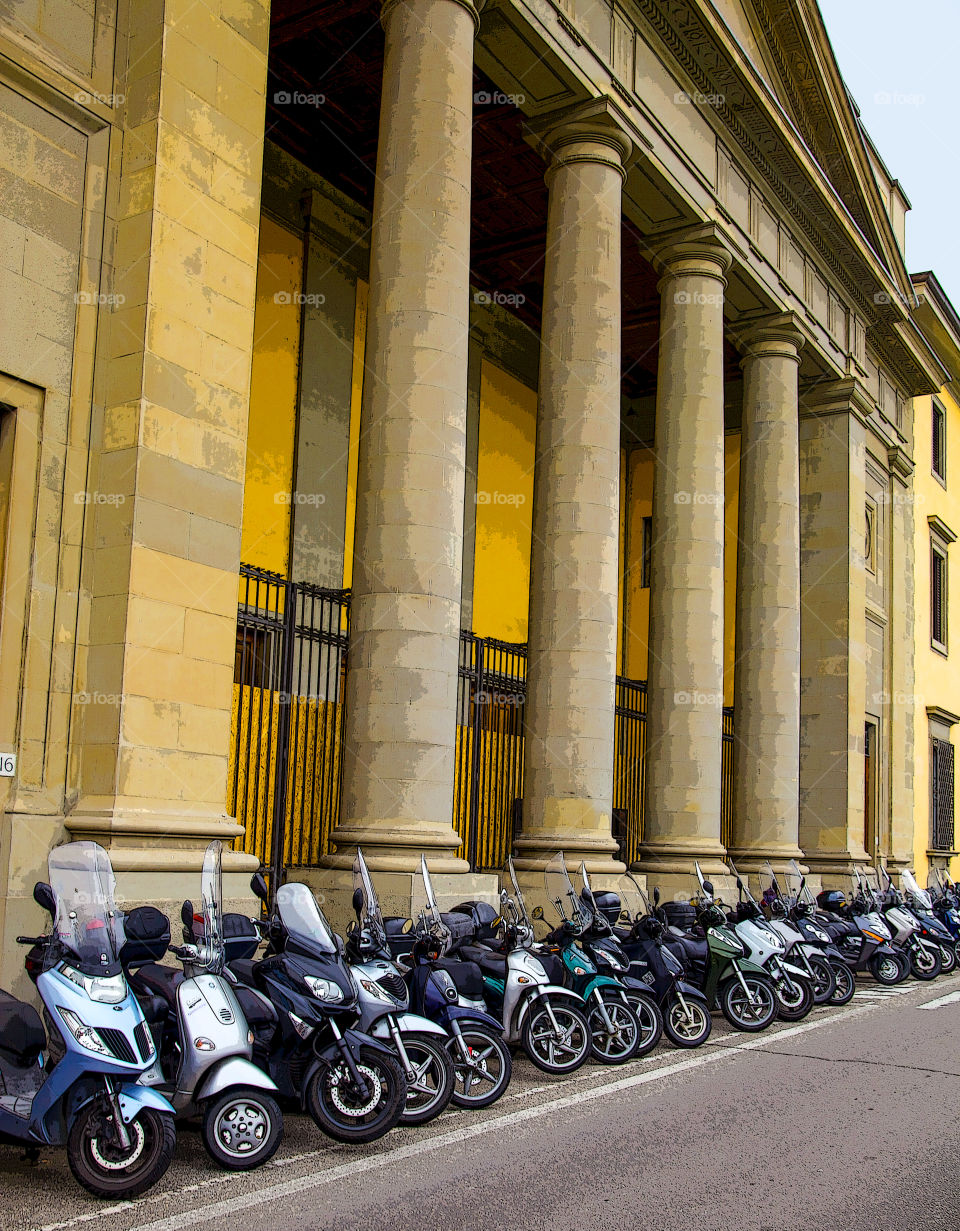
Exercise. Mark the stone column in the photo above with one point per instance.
(571, 674)
(685, 675)
(767, 670)
(405, 621)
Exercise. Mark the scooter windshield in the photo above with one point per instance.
(371, 917)
(588, 901)
(920, 896)
(633, 901)
(798, 887)
(87, 922)
(303, 919)
(430, 919)
(561, 893)
(211, 899)
(510, 886)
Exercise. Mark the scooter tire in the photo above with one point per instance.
(536, 1040)
(94, 1161)
(845, 984)
(948, 956)
(485, 1043)
(799, 1006)
(429, 1053)
(762, 1017)
(242, 1128)
(824, 979)
(648, 1014)
(684, 1031)
(602, 1048)
(378, 1120)
(888, 970)
(925, 964)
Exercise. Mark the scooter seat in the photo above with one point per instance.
(492, 964)
(243, 968)
(691, 948)
(162, 981)
(22, 1037)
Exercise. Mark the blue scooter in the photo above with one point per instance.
(119, 1135)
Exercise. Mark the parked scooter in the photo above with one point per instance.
(920, 940)
(793, 986)
(799, 950)
(614, 1027)
(861, 935)
(718, 964)
(687, 1021)
(545, 1018)
(352, 1084)
(204, 1041)
(420, 1044)
(86, 1093)
(802, 908)
(946, 906)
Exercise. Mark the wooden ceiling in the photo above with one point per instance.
(335, 48)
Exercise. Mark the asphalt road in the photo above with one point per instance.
(847, 1121)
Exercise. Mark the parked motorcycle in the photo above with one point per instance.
(946, 906)
(764, 947)
(861, 935)
(545, 1018)
(86, 1093)
(420, 1044)
(718, 964)
(799, 949)
(802, 912)
(920, 938)
(204, 1040)
(352, 1084)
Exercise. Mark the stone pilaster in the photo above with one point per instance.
(405, 620)
(685, 675)
(767, 667)
(571, 675)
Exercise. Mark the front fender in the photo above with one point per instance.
(749, 968)
(408, 1023)
(554, 991)
(688, 990)
(797, 972)
(459, 1012)
(133, 1099)
(601, 981)
(236, 1071)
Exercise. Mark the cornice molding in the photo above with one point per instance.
(940, 528)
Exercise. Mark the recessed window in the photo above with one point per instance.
(939, 440)
(941, 795)
(870, 537)
(938, 598)
(645, 549)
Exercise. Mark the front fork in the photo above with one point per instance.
(123, 1134)
(355, 1075)
(608, 1025)
(401, 1050)
(743, 983)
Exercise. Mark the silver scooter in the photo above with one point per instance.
(205, 1063)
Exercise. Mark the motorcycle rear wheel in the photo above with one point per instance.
(482, 1079)
(99, 1163)
(925, 964)
(687, 1029)
(824, 979)
(624, 1043)
(434, 1082)
(752, 1013)
(334, 1103)
(548, 1052)
(845, 984)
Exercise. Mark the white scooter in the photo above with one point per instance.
(777, 904)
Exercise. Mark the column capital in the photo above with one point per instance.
(847, 395)
(775, 335)
(699, 250)
(473, 7)
(595, 131)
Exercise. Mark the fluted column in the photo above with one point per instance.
(405, 619)
(571, 679)
(767, 668)
(685, 675)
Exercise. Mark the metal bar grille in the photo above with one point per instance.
(941, 772)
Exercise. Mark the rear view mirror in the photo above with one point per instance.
(43, 896)
(537, 913)
(708, 886)
(357, 902)
(259, 886)
(739, 884)
(656, 895)
(186, 914)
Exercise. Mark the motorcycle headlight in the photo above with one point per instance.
(104, 989)
(816, 932)
(324, 989)
(85, 1035)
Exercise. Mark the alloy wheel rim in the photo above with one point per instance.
(241, 1128)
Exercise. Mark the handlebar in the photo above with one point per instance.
(33, 940)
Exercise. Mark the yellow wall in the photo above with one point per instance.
(273, 400)
(501, 572)
(937, 678)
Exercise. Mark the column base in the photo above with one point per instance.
(669, 865)
(395, 845)
(835, 868)
(536, 848)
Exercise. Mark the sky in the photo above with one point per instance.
(899, 61)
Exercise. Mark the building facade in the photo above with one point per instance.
(557, 344)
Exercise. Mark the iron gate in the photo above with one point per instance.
(285, 760)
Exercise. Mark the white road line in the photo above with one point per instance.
(952, 998)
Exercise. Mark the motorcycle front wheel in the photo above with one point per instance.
(651, 1021)
(620, 1044)
(242, 1129)
(483, 1073)
(752, 1010)
(103, 1167)
(845, 984)
(888, 969)
(824, 980)
(431, 1089)
(794, 999)
(343, 1113)
(925, 964)
(687, 1027)
(948, 958)
(559, 1050)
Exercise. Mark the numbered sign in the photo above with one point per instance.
(8, 764)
